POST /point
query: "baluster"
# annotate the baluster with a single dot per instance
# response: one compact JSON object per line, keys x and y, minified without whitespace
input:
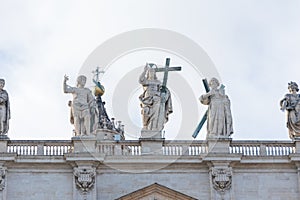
{"x":135,"y":150}
{"x":25,"y":150}
{"x":272,"y":150}
{"x":47,"y":150}
{"x":166,"y":150}
{"x":192,"y":150}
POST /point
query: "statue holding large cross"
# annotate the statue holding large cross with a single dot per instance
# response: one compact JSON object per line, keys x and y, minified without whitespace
{"x":218,"y":115}
{"x":156,"y":99}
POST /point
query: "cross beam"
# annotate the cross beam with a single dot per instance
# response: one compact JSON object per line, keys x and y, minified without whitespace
{"x":166,"y":70}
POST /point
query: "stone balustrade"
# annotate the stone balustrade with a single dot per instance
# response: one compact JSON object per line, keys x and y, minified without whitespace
{"x":39,"y":147}
{"x":262,"y":148}
{"x":170,"y":148}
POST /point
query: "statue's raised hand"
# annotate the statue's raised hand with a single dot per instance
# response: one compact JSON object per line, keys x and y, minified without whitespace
{"x":66,"y":78}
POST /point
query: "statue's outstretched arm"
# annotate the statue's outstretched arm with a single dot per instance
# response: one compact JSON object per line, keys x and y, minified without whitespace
{"x":66,"y":87}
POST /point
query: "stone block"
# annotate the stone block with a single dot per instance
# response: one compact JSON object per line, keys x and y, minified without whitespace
{"x":218,"y":145}
{"x":151,"y":146}
{"x":3,"y":143}
{"x":151,"y":134}
{"x":83,"y":144}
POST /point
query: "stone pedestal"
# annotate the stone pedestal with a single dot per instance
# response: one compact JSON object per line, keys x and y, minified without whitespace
{"x":3,"y":143}
{"x":218,"y":145}
{"x":297,"y":145}
{"x":151,"y":134}
{"x":152,"y":146}
{"x":84,"y":144}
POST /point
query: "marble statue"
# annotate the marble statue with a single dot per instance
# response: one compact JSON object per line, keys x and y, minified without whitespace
{"x":219,"y":118}
{"x":291,"y":103}
{"x":83,"y":107}
{"x":156,"y":105}
{"x":4,"y":109}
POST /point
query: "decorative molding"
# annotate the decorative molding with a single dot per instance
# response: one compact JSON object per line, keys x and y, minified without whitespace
{"x":221,"y":179}
{"x":85,"y":178}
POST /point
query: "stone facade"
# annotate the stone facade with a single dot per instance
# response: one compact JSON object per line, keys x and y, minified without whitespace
{"x":34,"y":170}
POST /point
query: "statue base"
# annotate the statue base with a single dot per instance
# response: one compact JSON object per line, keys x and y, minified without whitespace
{"x":151,"y":146}
{"x":220,"y":145}
{"x":84,"y":144}
{"x":150,"y":134}
{"x":4,"y":137}
{"x":3,"y":143}
{"x":217,"y":137}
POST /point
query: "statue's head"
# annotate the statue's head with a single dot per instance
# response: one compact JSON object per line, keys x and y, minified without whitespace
{"x":292,"y":86}
{"x":214,"y":83}
{"x":81,"y":80}
{"x":151,"y":74}
{"x":2,"y":83}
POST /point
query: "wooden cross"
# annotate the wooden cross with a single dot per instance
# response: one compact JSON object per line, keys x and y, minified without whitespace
{"x":166,"y":70}
{"x":163,"y":90}
{"x":204,"y":118}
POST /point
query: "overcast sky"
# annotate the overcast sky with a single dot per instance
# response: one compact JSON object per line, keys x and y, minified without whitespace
{"x":254,"y":45}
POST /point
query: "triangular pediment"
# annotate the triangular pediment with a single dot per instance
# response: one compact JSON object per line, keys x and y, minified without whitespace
{"x":156,"y":192}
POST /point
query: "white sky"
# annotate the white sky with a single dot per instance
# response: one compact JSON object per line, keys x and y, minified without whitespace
{"x":254,"y":44}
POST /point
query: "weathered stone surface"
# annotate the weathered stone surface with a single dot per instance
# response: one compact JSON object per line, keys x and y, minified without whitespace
{"x":37,"y":184}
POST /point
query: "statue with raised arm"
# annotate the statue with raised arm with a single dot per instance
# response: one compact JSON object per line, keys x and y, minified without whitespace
{"x":291,"y":103}
{"x":219,"y":118}
{"x":156,"y":104}
{"x":4,"y":109}
{"x":83,"y":106}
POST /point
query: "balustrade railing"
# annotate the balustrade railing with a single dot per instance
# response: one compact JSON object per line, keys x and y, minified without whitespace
{"x":170,"y":148}
{"x":187,"y":147}
{"x":128,"y":147}
{"x":262,"y":148}
{"x":39,"y":147}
